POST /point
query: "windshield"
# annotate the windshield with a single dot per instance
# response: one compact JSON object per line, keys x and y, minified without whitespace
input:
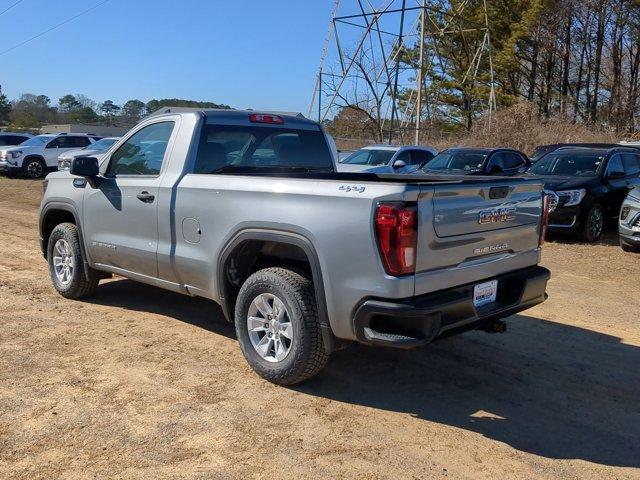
{"x":369,"y":157}
{"x":570,"y":164}
{"x":38,"y":141}
{"x":101,"y":145}
{"x":468,"y":160}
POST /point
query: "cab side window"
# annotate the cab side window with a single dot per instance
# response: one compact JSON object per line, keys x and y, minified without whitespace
{"x":405,"y":157}
{"x":420,"y":156}
{"x":496,"y":160}
{"x":614,"y":165}
{"x":56,"y":143}
{"x":513,"y":160}
{"x":143,"y":153}
{"x":631,"y":164}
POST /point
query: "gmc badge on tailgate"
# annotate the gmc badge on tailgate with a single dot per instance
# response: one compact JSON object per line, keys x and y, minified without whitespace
{"x":497,"y":215}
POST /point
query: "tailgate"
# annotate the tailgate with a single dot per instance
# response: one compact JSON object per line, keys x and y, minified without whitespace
{"x":472,"y":231}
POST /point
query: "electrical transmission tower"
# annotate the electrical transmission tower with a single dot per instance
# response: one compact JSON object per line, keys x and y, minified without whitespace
{"x":386,"y":61}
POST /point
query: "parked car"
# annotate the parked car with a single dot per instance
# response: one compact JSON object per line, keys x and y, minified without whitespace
{"x":245,"y":209}
{"x":97,"y":149}
{"x":591,"y":184}
{"x":35,"y":156}
{"x":10,"y":139}
{"x":541,"y":150}
{"x":478,"y":161}
{"x":342,"y":154}
{"x":387,"y":159}
{"x":629,"y":223}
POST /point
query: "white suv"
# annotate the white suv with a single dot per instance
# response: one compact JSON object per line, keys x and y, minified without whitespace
{"x":38,"y":154}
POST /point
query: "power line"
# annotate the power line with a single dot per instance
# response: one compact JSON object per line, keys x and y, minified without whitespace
{"x":84,"y":12}
{"x":10,"y":7}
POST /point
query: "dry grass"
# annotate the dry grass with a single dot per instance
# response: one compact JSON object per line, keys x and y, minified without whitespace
{"x":519,"y":126}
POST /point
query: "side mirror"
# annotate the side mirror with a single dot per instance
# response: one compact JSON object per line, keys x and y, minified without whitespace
{"x":399,"y":164}
{"x":495,"y":169}
{"x":615,"y":175}
{"x":85,"y":167}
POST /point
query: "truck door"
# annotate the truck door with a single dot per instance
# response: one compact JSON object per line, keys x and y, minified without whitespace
{"x":121,"y":214}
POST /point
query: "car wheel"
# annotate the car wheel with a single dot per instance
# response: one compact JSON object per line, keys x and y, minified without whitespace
{"x":66,"y":265}
{"x":276,"y":320}
{"x":33,"y":168}
{"x":593,"y":224}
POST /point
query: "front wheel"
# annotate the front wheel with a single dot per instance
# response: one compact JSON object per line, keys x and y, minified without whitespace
{"x":593,"y":224}
{"x":33,"y":168}
{"x":276,"y":320}
{"x":66,"y":265}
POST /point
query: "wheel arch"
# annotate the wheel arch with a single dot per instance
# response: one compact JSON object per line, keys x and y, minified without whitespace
{"x":55,"y":213}
{"x":287,"y":243}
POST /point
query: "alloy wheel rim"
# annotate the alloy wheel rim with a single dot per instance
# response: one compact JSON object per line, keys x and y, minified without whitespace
{"x":270,"y":328}
{"x":63,"y":263}
{"x":34,"y":169}
{"x":596,"y":223}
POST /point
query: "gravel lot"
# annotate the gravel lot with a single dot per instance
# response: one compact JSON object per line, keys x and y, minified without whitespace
{"x":142,"y":383}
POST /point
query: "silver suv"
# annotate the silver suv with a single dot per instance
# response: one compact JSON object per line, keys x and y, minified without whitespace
{"x":629,"y":223}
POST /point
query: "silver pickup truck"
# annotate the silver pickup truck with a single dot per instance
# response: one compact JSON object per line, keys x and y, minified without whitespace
{"x":246,"y":209}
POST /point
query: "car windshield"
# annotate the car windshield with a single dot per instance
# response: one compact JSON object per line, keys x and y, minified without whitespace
{"x":369,"y":157}
{"x":569,"y":164}
{"x":467,"y":160}
{"x":101,"y":145}
{"x":38,"y":141}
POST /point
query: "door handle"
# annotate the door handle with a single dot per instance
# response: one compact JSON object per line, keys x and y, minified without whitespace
{"x":145,"y":197}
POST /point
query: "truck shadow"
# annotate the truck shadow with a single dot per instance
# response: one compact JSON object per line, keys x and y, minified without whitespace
{"x":131,"y":295}
{"x":544,"y":388}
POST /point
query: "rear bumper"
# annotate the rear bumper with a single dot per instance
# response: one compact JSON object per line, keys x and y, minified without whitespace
{"x":420,"y":320}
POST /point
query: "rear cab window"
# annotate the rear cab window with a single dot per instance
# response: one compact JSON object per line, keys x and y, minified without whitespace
{"x":240,"y":148}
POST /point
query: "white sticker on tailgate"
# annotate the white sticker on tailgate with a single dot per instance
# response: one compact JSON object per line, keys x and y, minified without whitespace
{"x":484,"y":293}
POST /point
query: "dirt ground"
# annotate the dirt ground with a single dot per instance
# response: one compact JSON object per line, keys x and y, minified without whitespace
{"x":142,"y":383}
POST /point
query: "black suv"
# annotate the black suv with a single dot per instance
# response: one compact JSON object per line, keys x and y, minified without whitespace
{"x":478,"y":161}
{"x":591,"y":184}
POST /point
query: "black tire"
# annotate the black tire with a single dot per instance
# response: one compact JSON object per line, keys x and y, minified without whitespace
{"x":34,"y":168}
{"x":80,"y":283}
{"x":307,"y":355}
{"x":593,"y":224}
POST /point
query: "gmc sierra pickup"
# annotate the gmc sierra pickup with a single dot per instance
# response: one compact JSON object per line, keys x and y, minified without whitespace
{"x":246,"y":209}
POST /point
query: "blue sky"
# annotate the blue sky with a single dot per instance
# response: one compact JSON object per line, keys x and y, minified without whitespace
{"x":246,"y":53}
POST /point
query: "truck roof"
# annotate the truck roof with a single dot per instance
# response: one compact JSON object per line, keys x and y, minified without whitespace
{"x":239,"y":117}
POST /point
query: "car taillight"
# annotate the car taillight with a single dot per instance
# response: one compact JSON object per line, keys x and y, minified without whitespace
{"x":544,"y":222}
{"x":397,"y":235}
{"x":266,"y":118}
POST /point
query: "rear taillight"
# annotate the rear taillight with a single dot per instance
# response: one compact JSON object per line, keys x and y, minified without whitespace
{"x":544,"y":222}
{"x":397,"y":235}
{"x":266,"y":118}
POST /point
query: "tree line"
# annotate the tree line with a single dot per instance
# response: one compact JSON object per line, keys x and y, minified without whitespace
{"x":578,"y":60}
{"x":30,"y":111}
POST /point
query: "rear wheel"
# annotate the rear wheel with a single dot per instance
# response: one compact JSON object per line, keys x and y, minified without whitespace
{"x":33,"y":168}
{"x":593,"y":224}
{"x":276,"y":320}
{"x":66,"y":265}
